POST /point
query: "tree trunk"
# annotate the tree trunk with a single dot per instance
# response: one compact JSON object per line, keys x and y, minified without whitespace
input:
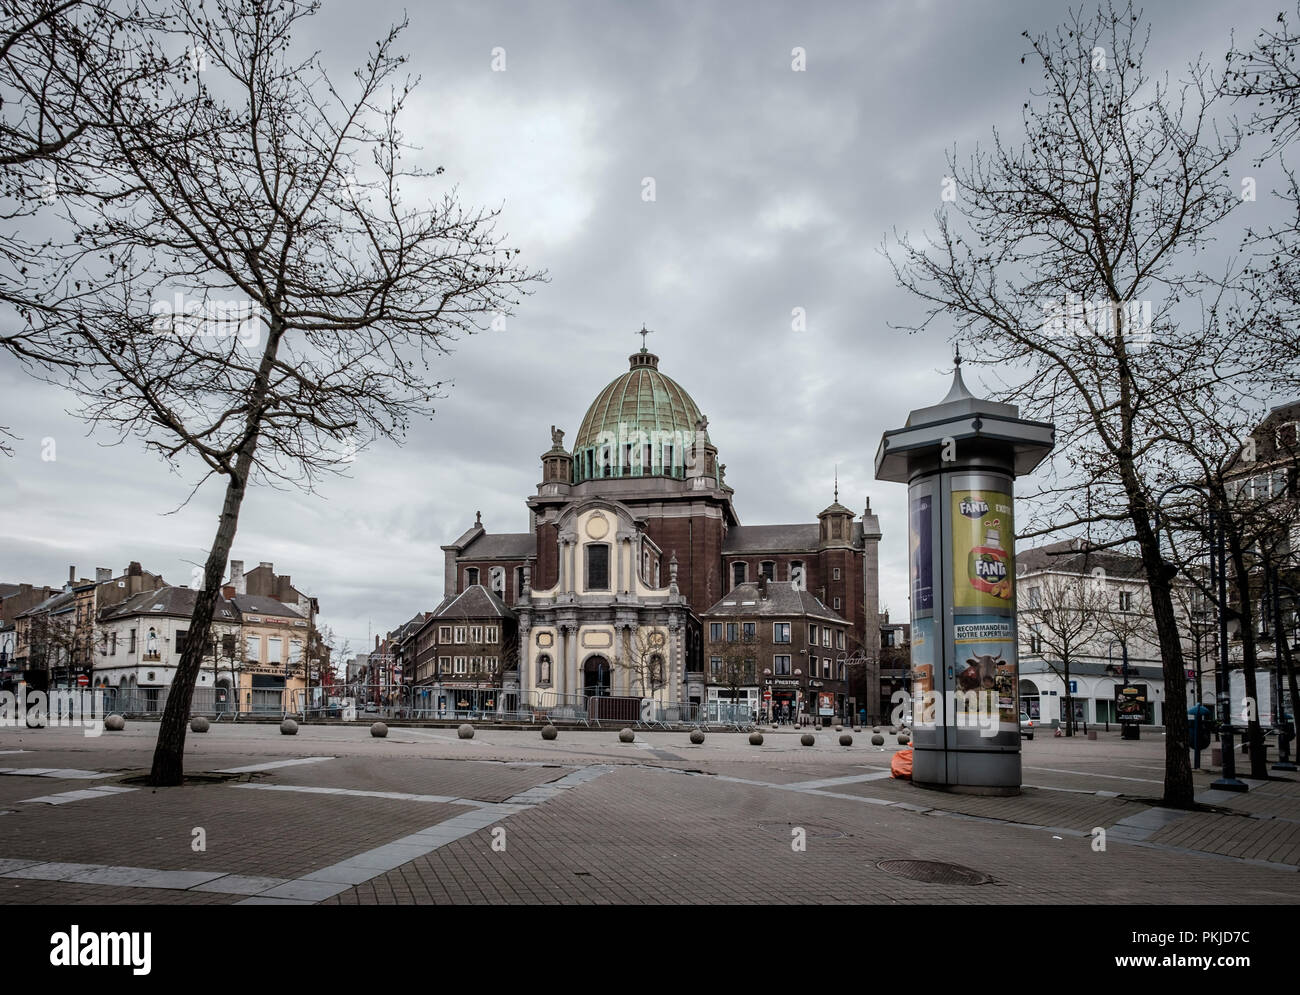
{"x":1246,"y":613}
{"x":1179,"y":792}
{"x":169,"y":753}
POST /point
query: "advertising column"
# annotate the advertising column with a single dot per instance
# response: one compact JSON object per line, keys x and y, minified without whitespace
{"x":960,"y":459}
{"x":984,"y":648}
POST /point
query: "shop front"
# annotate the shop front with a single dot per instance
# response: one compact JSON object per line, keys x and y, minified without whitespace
{"x":457,"y":700}
{"x":783,"y":699}
{"x":732,"y":704}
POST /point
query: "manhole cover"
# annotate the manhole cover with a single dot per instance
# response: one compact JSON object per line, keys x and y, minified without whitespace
{"x":933,"y":872}
{"x":811,"y":830}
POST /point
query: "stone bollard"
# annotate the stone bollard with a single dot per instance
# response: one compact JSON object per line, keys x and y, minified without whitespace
{"x":697,"y":737}
{"x":288,"y":728}
{"x":904,"y":739}
{"x":626,"y":736}
{"x":549,"y":732}
{"x":115,"y":723}
{"x":893,"y":730}
{"x":877,"y":740}
{"x":378,"y":730}
{"x":199,"y":724}
{"x":755,"y":738}
{"x":808,"y":739}
{"x":846,"y":740}
{"x":465,"y":731}
{"x":875,"y":728}
{"x":839,"y":728}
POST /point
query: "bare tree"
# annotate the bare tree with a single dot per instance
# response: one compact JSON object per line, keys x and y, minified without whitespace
{"x":1063,"y":615}
{"x":275,"y":302}
{"x":64,"y":64}
{"x":737,"y":668}
{"x":643,"y":660}
{"x":1063,"y":256}
{"x":1250,"y":486}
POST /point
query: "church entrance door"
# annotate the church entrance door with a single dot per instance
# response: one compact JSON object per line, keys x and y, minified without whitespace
{"x":595,"y":677}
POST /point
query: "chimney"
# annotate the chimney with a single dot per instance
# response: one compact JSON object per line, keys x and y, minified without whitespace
{"x":762,"y":585}
{"x":376,"y":642}
{"x":269,"y":566}
{"x":227,"y":591}
{"x":72,"y":575}
{"x":103,"y":575}
{"x":134,"y":569}
{"x":237,"y":577}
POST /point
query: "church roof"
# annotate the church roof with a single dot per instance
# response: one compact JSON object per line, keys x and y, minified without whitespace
{"x":641,"y":399}
{"x":779,"y":538}
{"x":503,"y":545}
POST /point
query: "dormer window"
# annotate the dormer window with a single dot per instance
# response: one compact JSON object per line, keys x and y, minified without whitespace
{"x":471,"y":576}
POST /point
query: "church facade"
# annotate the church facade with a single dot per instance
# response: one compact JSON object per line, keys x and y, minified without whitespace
{"x":633,"y":536}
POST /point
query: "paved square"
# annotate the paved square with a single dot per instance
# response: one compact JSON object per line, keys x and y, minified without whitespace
{"x":332,"y":815}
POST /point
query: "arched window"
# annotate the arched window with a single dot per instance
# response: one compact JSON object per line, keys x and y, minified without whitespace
{"x":543,"y":669}
{"x":796,"y":575}
{"x":656,"y":671}
{"x":597,"y":566}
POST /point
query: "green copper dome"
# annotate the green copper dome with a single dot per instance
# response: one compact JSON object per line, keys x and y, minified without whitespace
{"x":640,"y":424}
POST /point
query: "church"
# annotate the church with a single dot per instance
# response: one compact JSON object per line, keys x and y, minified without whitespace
{"x":633,"y":537}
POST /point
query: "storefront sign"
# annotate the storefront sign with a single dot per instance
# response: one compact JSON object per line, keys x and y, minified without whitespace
{"x":1131,"y":702}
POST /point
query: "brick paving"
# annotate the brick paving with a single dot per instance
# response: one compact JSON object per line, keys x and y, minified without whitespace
{"x":598,"y":822}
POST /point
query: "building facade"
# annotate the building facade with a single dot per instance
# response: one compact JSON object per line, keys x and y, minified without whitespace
{"x":465,"y":656}
{"x":1090,"y":608}
{"x":633,"y":536}
{"x":775,"y":651}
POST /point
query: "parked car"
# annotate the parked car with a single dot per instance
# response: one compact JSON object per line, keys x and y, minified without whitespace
{"x":1026,"y":726}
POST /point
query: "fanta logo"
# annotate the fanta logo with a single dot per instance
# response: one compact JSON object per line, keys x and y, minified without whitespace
{"x":974,"y":508}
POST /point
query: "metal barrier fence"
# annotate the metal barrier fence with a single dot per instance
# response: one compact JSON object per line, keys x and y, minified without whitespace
{"x":601,"y":710}
{"x":360,"y":703}
{"x":215,"y":703}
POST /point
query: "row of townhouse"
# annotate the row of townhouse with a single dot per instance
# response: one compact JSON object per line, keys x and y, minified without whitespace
{"x":125,"y":635}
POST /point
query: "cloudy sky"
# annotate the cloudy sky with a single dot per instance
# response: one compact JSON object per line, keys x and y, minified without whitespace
{"x":773,"y":191}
